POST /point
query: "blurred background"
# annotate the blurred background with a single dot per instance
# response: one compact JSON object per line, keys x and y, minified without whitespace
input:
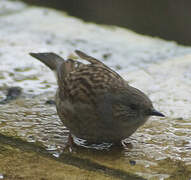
{"x":167,"y":19}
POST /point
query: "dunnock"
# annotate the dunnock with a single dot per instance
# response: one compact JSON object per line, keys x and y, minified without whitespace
{"x":94,"y":102}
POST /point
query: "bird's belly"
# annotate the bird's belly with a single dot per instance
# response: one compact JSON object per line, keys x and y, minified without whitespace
{"x":84,"y":122}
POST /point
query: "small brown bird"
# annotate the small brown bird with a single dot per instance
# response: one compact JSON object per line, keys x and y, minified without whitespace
{"x":94,"y":102}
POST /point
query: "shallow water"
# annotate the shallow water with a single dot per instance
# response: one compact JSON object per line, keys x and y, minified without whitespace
{"x":163,"y":141}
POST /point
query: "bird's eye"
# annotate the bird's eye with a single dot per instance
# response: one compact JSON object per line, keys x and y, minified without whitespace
{"x":133,"y":106}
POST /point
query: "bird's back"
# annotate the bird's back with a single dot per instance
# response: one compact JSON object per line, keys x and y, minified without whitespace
{"x":84,"y":82}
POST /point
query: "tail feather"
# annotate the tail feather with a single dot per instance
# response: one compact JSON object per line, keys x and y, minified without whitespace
{"x":50,"y":59}
{"x":94,"y":61}
{"x":88,"y":58}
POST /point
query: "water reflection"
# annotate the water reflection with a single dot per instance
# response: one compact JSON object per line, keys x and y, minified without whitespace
{"x":84,"y":143}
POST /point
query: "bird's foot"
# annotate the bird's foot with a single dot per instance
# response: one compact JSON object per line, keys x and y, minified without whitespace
{"x":126,"y":145}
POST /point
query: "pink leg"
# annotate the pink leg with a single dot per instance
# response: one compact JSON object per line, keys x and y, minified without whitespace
{"x":70,"y":143}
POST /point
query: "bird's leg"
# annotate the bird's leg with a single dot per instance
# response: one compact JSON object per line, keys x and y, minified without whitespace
{"x":123,"y":144}
{"x":70,"y":143}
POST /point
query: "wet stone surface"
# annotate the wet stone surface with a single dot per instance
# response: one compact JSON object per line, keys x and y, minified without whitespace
{"x":161,"y":149}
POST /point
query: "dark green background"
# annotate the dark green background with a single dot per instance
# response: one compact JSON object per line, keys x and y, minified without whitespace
{"x":168,"y":19}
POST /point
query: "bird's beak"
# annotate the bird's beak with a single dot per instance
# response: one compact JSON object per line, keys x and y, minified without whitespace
{"x":156,"y":113}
